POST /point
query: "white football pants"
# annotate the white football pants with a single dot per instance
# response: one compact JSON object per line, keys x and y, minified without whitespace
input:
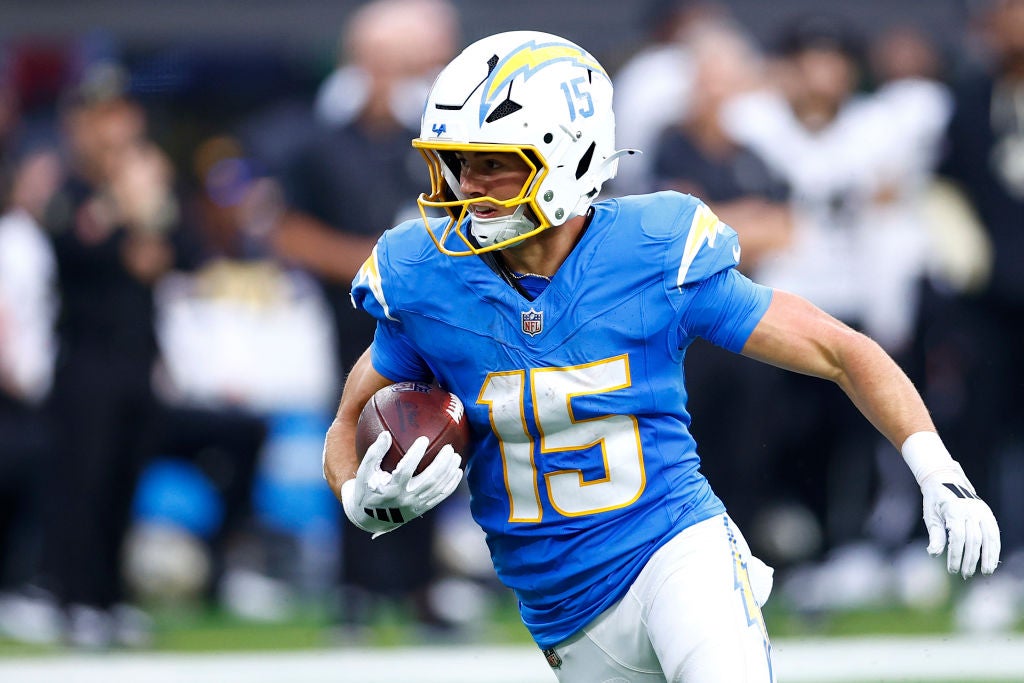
{"x":692,"y":616}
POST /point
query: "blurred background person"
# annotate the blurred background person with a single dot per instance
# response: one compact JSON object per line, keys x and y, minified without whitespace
{"x":696,"y":155}
{"x":899,"y":59}
{"x":654,"y":85}
{"x":973,"y":335}
{"x":243,"y":340}
{"x":358,"y":177}
{"x":110,"y":224}
{"x":28,"y":307}
{"x":858,"y":165}
{"x":208,"y":416}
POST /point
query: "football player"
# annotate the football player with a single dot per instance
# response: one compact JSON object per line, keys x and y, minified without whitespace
{"x":562,"y":323}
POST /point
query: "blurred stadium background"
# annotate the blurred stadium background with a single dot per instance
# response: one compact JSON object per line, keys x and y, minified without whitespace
{"x":203,"y":64}
{"x":310,"y":29}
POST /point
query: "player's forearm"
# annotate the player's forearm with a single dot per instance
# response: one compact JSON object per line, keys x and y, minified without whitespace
{"x":340,"y":457}
{"x":798,"y":336}
{"x":881,"y":390}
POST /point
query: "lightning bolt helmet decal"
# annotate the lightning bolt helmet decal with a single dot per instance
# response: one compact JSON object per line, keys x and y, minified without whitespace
{"x":527,"y":60}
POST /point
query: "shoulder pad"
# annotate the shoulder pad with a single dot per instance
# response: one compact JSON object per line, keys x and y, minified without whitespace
{"x":710,"y":246}
{"x":368,"y":288}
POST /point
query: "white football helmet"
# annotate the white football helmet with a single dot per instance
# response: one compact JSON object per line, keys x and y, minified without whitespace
{"x":533,"y":94}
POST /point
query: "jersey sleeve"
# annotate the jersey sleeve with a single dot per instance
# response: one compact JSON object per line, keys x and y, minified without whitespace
{"x":724,"y":309}
{"x":708,"y":246}
{"x":713,"y":299}
{"x":368,"y":286}
{"x":392,"y":353}
{"x":395,"y":357}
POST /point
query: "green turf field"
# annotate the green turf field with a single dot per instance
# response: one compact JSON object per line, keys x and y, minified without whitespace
{"x":197,"y":629}
{"x":187,"y":635}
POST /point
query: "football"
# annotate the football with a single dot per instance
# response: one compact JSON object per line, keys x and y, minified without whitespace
{"x":410,"y":410}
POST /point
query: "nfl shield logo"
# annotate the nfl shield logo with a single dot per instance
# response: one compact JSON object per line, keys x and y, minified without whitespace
{"x":533,"y":322}
{"x":554,"y":661}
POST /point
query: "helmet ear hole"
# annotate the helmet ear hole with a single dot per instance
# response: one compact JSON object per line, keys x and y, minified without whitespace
{"x":584,"y":165}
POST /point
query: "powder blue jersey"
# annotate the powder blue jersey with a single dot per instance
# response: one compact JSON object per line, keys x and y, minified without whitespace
{"x":583,"y":463}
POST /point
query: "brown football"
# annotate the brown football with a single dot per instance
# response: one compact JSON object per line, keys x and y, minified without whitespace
{"x":410,"y":410}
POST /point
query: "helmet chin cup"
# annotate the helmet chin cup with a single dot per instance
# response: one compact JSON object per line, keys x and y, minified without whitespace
{"x":503,"y":231}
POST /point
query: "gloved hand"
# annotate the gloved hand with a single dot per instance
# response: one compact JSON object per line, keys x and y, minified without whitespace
{"x":953,"y":511}
{"x":378,"y":502}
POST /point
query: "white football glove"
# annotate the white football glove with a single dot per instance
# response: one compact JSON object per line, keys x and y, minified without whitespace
{"x":378,"y":502}
{"x":953,"y":511}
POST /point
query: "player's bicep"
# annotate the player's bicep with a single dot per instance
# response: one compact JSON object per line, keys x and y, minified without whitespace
{"x":362,"y":382}
{"x":796,"y":335}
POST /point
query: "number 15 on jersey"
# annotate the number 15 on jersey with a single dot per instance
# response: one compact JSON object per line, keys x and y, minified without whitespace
{"x":552,"y":392}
